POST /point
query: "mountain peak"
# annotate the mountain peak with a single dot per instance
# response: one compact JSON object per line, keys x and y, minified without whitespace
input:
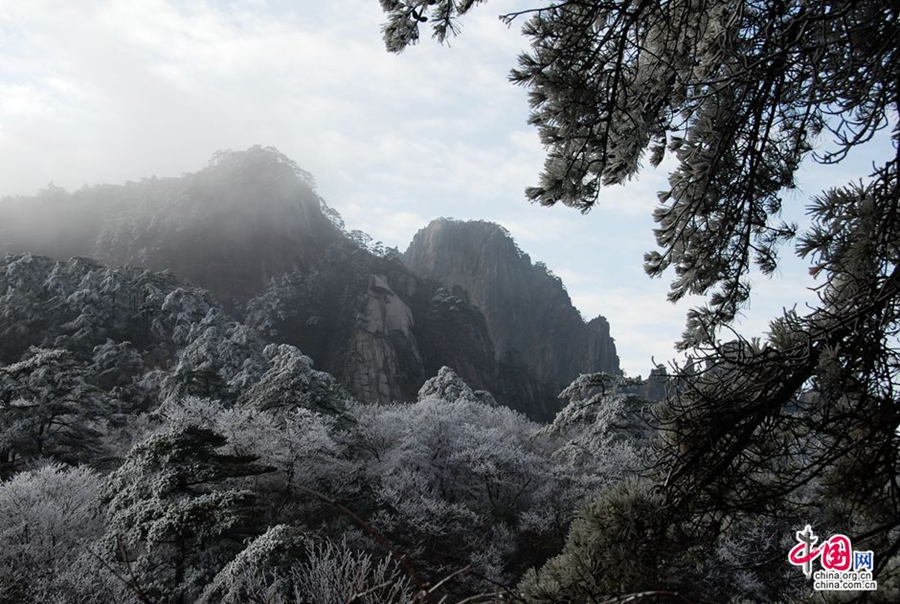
{"x":259,"y":162}
{"x":529,"y":314}
{"x":230,"y":227}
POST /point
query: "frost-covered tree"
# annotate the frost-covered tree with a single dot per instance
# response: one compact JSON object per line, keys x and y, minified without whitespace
{"x":619,"y":543}
{"x":459,"y":482}
{"x":176,"y":512}
{"x":48,"y":408}
{"x":448,"y":386}
{"x":305,"y":449}
{"x":21,"y":307}
{"x":78,"y":305}
{"x":259,"y":572}
{"x":603,"y":427}
{"x":450,"y":481}
{"x":115,"y":365}
{"x":739,"y":93}
{"x":49,"y":518}
{"x":286,"y":566}
{"x":290,"y":382}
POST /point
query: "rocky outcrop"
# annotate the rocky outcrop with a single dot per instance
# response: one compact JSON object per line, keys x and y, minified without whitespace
{"x":453,"y":333}
{"x":599,"y":346}
{"x":657,"y":385}
{"x":384,"y":352}
{"x":531,"y":320}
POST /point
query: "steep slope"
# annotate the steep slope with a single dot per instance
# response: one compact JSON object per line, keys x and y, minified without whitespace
{"x":370,"y":321}
{"x":528,"y":312}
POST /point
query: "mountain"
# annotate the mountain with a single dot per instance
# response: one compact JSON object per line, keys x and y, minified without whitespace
{"x":529,"y":315}
{"x":229,"y":228}
{"x":250,"y":229}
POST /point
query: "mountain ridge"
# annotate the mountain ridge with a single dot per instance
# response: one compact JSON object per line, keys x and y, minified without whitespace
{"x":250,"y":228}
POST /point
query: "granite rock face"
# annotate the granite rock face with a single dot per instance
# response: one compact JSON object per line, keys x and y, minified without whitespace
{"x":383,"y":347}
{"x":531,"y":320}
{"x":453,"y":333}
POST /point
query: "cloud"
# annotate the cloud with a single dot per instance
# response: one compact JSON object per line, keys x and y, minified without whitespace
{"x":201,"y":75}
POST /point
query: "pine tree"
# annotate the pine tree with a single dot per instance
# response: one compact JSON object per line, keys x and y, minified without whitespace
{"x":177,"y":513}
{"x":738,"y":93}
{"x":49,"y":409}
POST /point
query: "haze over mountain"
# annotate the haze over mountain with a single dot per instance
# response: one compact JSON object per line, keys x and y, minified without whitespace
{"x":245,"y":218}
{"x":251,"y":229}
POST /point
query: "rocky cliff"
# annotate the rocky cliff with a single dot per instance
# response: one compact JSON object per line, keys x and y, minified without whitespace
{"x":384,"y":345}
{"x":528,"y":312}
{"x":370,"y":321}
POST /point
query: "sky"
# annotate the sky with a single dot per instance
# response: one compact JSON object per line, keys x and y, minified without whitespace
{"x":106,"y":91}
